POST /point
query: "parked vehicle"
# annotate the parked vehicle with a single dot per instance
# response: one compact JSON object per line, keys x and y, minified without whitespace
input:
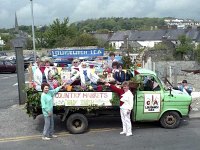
{"x":153,"y":101}
{"x":63,"y":62}
{"x":7,"y":66}
{"x":3,"y":55}
{"x":27,"y":60}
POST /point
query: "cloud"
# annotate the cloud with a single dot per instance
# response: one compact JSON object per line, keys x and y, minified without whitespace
{"x":45,"y":11}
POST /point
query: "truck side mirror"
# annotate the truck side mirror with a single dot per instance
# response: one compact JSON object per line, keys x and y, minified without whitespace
{"x":170,"y":91}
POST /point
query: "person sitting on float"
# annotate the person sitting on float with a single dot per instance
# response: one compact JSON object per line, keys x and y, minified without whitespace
{"x":47,"y":64}
{"x":114,"y":67}
{"x":119,"y":75}
{"x":87,"y":77}
{"x":75,"y":71}
{"x":51,"y":80}
{"x":129,"y":75}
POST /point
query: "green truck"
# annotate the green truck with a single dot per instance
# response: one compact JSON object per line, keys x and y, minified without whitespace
{"x":153,"y":101}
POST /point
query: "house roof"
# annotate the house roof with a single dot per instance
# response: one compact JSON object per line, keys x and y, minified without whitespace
{"x":153,"y":35}
{"x":173,"y":34}
{"x":119,"y":35}
{"x":147,"y":35}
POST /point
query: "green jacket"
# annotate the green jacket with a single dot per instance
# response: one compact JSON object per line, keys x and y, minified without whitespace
{"x":47,"y":101}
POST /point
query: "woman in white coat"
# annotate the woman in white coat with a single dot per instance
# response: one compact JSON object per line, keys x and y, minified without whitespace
{"x":126,"y":105}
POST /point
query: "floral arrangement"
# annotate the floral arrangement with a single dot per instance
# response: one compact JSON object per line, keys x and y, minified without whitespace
{"x":33,"y":104}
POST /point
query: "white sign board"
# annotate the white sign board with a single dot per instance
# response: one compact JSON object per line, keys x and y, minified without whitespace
{"x":152,"y":103}
{"x":82,"y":99}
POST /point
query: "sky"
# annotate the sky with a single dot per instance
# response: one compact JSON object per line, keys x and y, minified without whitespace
{"x":45,"y":11}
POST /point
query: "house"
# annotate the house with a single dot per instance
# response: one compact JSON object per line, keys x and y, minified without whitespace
{"x":117,"y":39}
{"x":137,"y":39}
{"x":150,"y":38}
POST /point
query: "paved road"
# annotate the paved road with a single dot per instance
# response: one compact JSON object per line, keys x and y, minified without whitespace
{"x":8,"y":92}
{"x":146,"y":137}
{"x":19,"y":132}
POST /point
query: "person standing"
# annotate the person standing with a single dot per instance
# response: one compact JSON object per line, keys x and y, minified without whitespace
{"x":38,"y":76}
{"x":111,"y":60}
{"x":126,"y":105}
{"x":47,"y":110}
{"x":186,"y":87}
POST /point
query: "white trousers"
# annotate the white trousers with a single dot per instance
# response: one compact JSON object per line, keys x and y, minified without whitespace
{"x":126,"y":121}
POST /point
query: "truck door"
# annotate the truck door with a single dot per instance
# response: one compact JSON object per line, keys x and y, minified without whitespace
{"x":148,"y":102}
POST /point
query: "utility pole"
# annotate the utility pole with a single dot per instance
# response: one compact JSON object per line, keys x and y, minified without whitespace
{"x":33,"y":31}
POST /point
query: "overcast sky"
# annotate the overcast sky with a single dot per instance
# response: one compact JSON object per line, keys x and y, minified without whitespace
{"x":45,"y":11}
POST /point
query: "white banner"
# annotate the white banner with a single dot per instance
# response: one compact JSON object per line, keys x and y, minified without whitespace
{"x":152,"y":103}
{"x":82,"y":98}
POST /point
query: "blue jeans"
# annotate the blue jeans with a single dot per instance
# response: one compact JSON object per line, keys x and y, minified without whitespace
{"x":48,"y":126}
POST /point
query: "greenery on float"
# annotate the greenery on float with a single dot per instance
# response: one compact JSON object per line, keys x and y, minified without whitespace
{"x":33,"y":104}
{"x":115,"y":99}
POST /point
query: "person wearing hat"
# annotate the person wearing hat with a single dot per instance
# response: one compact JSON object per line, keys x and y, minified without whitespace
{"x":88,"y":77}
{"x":184,"y":87}
{"x":75,"y":71}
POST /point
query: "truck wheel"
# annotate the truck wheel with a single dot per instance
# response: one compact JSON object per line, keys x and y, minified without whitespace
{"x":170,"y":120}
{"x":77,"y":123}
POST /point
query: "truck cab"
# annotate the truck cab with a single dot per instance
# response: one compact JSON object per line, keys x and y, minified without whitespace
{"x":155,"y":102}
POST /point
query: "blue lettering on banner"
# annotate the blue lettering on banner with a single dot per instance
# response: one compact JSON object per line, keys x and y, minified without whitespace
{"x":56,"y":53}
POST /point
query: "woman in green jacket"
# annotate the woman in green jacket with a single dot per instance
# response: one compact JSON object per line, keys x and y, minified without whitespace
{"x":47,"y":110}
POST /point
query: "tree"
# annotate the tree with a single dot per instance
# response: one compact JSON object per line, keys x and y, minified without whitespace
{"x":59,"y":32}
{"x":185,"y":46}
{"x":160,"y":46}
{"x":6,"y":39}
{"x":85,"y":39}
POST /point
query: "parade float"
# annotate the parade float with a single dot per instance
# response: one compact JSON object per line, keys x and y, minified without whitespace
{"x":74,"y":103}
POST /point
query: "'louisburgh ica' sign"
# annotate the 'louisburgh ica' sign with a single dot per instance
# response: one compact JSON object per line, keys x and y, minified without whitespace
{"x":62,"y":53}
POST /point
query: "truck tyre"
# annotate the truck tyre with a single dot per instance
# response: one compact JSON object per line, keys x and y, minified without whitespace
{"x":77,"y":123}
{"x":170,"y":120}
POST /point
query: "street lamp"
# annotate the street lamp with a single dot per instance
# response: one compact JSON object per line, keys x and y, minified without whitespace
{"x":33,"y":32}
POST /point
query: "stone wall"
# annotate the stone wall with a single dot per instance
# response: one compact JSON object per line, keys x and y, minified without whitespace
{"x":160,"y":55}
{"x":163,"y":67}
{"x":161,"y":60}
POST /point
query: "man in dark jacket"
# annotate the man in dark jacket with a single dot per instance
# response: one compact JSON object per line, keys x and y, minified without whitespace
{"x":119,"y":75}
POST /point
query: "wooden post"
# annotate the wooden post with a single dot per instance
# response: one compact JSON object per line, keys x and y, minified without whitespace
{"x":30,"y":75}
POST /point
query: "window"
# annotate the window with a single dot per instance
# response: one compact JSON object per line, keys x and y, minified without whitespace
{"x":150,"y":84}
